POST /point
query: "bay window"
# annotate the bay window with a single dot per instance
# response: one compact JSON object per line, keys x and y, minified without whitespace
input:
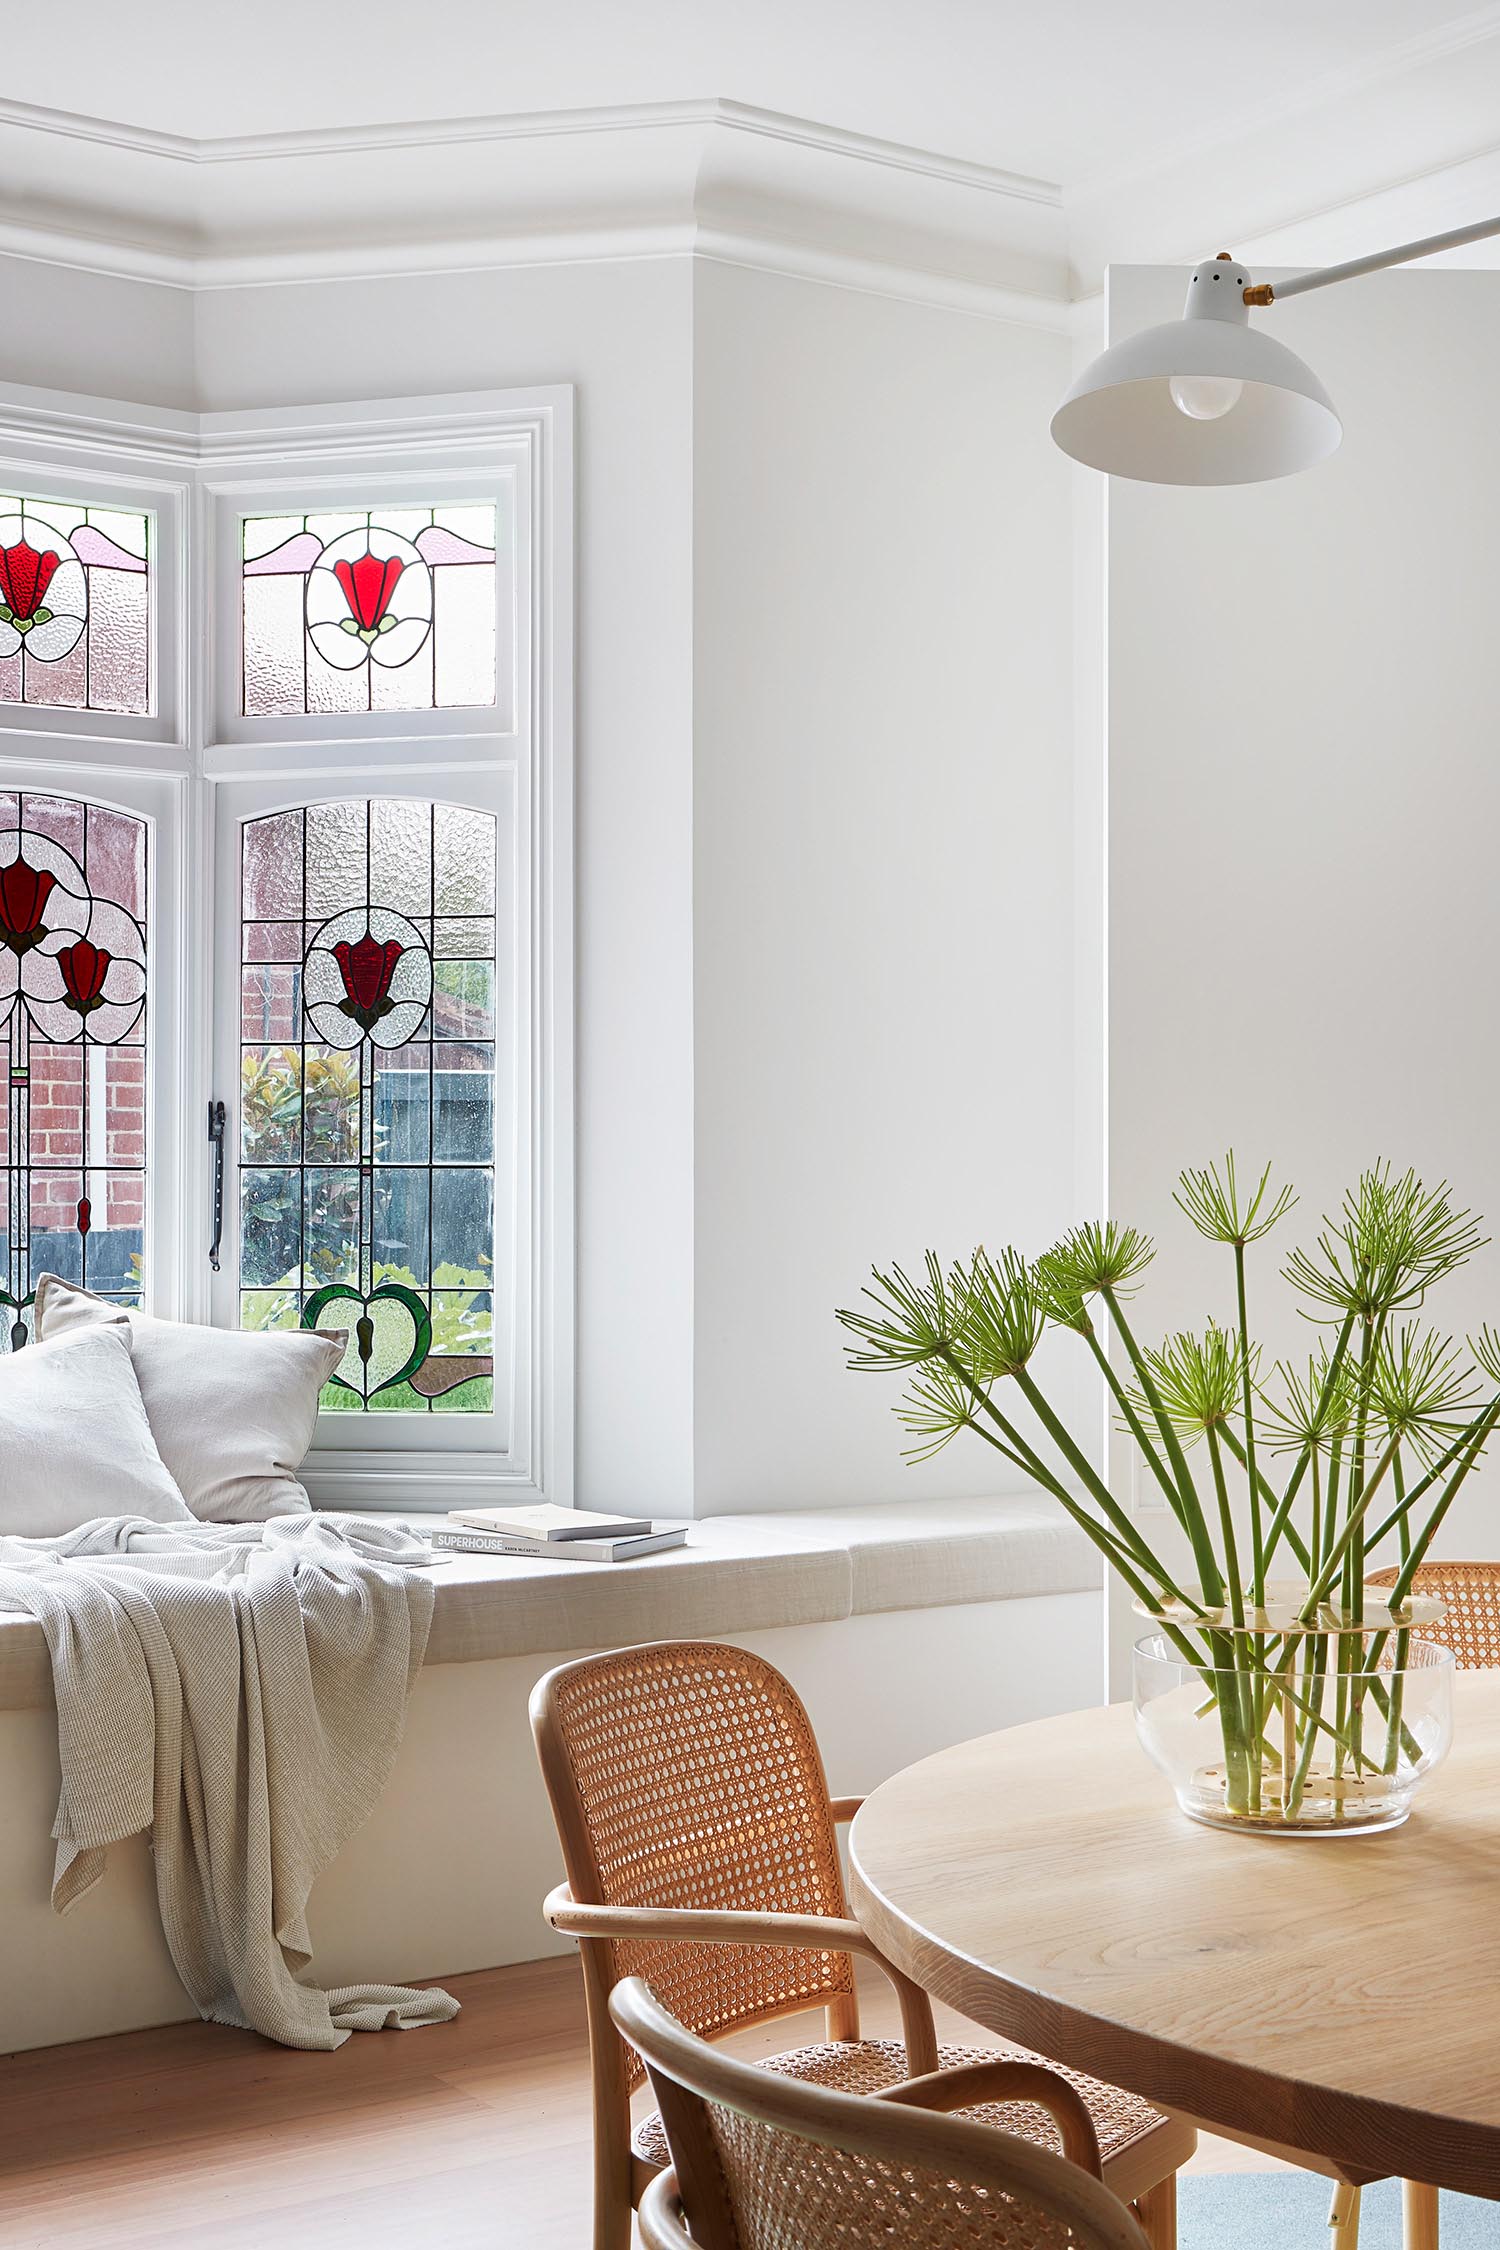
{"x":285,"y":840}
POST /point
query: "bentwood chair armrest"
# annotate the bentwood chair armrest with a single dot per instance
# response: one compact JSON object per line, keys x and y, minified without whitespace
{"x":659,"y":2217}
{"x":844,"y":1808}
{"x":1006,"y":2080}
{"x":808,"y":1933}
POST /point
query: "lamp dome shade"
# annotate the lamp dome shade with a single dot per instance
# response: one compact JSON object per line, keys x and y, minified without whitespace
{"x":1120,"y":415}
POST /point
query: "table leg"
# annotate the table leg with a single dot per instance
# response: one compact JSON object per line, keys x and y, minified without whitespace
{"x":1157,"y":2212}
{"x":1419,"y":2215}
{"x":1343,"y":2216}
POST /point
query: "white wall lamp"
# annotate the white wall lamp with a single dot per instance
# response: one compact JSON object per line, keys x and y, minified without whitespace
{"x":1208,"y":399}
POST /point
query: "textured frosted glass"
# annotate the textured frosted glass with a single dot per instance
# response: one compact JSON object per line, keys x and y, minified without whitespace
{"x":401,"y":855}
{"x":273,"y":941}
{"x":60,"y":686}
{"x":463,"y":633}
{"x":61,"y":818}
{"x":464,"y":858}
{"x":273,"y":867}
{"x":273,"y":645}
{"x":457,"y":935}
{"x":117,"y":641}
{"x":117,"y":858}
{"x":328,"y":690}
{"x":338,"y":845}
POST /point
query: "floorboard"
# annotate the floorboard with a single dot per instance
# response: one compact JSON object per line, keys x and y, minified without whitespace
{"x":472,"y":2135}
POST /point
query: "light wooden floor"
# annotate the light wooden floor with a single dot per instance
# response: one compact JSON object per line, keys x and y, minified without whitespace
{"x":472,"y":2135}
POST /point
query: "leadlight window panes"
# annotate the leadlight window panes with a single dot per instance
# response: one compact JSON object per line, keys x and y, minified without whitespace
{"x":73,"y":904}
{"x":367,"y":1094}
{"x":75,"y":606}
{"x":387,"y":609}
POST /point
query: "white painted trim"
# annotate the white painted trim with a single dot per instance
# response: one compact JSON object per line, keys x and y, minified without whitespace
{"x":448,"y":132}
{"x":566,"y":187}
{"x":873,"y":277}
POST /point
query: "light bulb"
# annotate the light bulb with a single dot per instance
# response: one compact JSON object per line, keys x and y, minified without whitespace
{"x":1204,"y":398}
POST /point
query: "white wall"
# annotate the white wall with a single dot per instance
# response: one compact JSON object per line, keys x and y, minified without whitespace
{"x":1304,"y":922}
{"x":99,"y":334}
{"x":883,"y":880}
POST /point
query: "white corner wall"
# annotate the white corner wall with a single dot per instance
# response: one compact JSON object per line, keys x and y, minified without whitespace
{"x":1304,"y":800}
{"x":882,"y":872}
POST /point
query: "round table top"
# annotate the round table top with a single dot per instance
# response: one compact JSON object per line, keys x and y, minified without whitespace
{"x":1337,"y":1996}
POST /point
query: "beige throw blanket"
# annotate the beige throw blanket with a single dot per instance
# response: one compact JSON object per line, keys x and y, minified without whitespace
{"x":240,"y":1690}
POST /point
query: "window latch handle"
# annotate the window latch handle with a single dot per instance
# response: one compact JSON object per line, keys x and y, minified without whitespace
{"x":216,"y":1136}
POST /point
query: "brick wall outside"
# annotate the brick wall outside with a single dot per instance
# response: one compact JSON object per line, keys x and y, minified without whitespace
{"x":57,"y":1136}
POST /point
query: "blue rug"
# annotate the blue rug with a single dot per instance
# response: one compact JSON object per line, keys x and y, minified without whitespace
{"x":1289,"y":2211}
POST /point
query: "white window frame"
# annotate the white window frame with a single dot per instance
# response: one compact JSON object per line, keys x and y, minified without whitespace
{"x":196,"y":767}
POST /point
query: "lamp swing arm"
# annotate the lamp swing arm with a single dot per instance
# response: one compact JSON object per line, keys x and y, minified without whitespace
{"x":1322,"y":277}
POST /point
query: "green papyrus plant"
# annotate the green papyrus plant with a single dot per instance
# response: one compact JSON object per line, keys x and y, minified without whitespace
{"x":1300,"y":1474}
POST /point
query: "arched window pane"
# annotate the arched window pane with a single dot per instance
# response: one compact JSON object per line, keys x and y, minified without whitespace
{"x":73,"y":902}
{"x":75,"y":593}
{"x":367,"y":1077}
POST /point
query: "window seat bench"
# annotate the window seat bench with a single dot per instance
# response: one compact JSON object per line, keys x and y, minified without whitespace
{"x":736,"y":1574}
{"x":904,"y":1627}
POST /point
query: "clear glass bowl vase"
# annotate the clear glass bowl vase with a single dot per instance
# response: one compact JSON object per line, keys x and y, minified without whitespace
{"x":1325,"y":1734}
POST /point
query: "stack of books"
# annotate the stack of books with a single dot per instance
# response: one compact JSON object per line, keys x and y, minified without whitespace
{"x":562,"y":1534}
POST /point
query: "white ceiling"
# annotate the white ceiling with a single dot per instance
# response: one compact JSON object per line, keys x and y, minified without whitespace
{"x":1009,"y":148}
{"x":1064,"y":90}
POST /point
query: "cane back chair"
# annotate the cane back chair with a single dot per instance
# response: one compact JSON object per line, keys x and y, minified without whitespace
{"x":1470,"y":1592}
{"x":1471,"y":1628}
{"x":761,"y":2162}
{"x":699,"y":1843}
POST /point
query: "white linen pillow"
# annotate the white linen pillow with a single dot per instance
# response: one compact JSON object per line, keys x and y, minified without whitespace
{"x":232,"y":1411}
{"x":74,"y":1439}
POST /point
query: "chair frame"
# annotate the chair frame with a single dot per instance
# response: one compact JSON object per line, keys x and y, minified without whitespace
{"x":621,"y":2177}
{"x":687,"y":2073}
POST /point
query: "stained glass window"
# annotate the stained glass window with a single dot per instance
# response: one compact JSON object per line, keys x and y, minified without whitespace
{"x":72,"y":1046}
{"x":367,"y":1094}
{"x":75,"y":598}
{"x":388,"y":609}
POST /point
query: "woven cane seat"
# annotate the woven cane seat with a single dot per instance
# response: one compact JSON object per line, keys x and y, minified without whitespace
{"x":865,"y":2066}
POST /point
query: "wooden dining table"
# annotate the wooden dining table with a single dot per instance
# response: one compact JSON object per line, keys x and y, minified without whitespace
{"x":1336,"y":1998}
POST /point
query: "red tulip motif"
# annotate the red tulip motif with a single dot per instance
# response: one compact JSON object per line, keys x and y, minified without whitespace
{"x":25,"y":576}
{"x":368,"y":584}
{"x":84,"y":968}
{"x":365,"y":971}
{"x":24,"y":892}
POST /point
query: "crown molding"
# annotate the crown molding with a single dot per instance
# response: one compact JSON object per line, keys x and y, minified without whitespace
{"x":711,"y":177}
